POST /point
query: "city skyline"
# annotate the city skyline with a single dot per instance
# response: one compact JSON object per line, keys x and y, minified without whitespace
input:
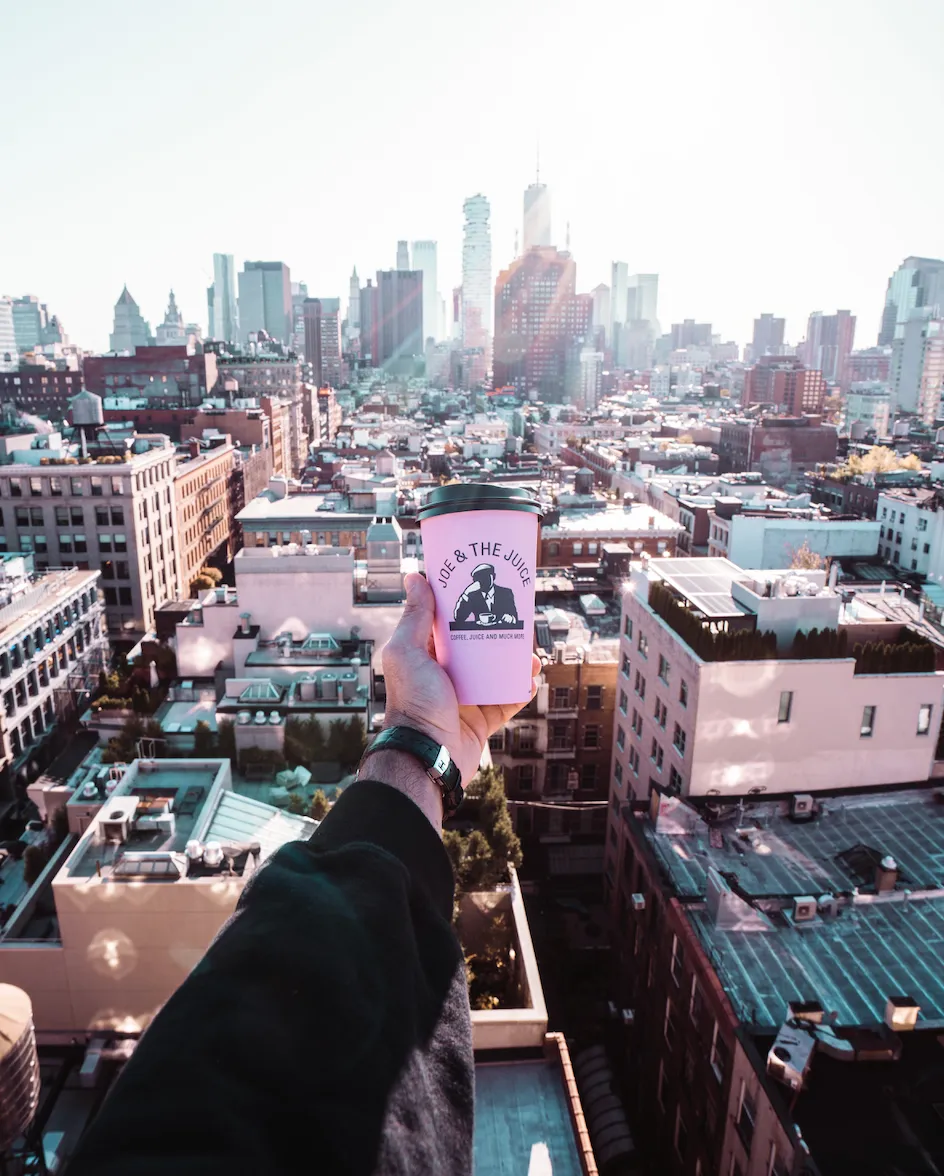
{"x":723,"y":255}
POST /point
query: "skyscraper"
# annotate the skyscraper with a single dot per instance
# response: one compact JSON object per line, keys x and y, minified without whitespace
{"x":619,"y":296}
{"x":399,"y":323}
{"x":224,"y":314}
{"x":370,"y":344}
{"x":354,"y":302}
{"x":323,"y":340}
{"x":829,"y":340}
{"x":9,"y":358}
{"x":477,"y":277}
{"x":130,"y":329}
{"x":541,"y":323}
{"x":424,"y":259}
{"x":645,"y":299}
{"x":917,"y":373}
{"x":768,"y":336}
{"x":537,"y":216}
{"x":403,"y":256}
{"x":601,"y":309}
{"x":918,"y":282}
{"x":265,"y":300}
{"x":171,"y":332}
{"x":33,"y":325}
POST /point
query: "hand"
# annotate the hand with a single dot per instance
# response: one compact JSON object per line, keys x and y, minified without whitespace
{"x":508,"y":619}
{"x":420,"y":694}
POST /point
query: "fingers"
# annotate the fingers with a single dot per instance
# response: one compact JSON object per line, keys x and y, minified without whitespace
{"x":416,"y":624}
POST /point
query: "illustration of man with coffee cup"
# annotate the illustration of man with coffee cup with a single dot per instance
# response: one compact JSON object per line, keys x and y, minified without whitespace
{"x":485,"y":603}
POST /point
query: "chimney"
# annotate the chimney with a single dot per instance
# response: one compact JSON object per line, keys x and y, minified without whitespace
{"x":886,"y":874}
{"x":901,"y":1012}
{"x":834,"y":574}
{"x":244,"y":619}
{"x":194,"y":446}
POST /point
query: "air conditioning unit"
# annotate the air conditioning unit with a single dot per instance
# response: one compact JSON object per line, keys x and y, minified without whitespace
{"x":801,"y":806}
{"x":790,"y":1056}
{"x":639,"y":902}
{"x":804,"y":909}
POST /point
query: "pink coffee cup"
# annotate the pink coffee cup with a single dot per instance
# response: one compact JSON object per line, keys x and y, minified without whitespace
{"x":480,"y":545}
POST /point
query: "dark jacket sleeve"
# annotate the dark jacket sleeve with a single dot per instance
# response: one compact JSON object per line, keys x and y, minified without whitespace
{"x":327,"y":1028}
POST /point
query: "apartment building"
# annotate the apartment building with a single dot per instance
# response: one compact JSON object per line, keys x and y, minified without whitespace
{"x":749,"y":713}
{"x":204,"y":506}
{"x":574,"y":535}
{"x":41,"y":389}
{"x":53,"y":642}
{"x":555,"y":753}
{"x":771,"y":535}
{"x":281,"y":515}
{"x":112,"y":512}
{"x":777,"y":1010}
{"x":911,"y":528}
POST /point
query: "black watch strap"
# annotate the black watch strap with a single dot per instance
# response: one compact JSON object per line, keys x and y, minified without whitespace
{"x":434,"y":757}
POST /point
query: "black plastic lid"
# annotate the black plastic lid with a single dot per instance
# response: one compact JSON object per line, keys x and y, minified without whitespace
{"x":465,"y":496}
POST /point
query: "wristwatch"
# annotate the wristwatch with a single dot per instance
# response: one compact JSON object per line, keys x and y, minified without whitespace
{"x":434,"y":757}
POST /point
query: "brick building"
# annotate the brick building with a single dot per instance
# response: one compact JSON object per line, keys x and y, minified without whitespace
{"x":40,"y":390}
{"x":786,"y":384}
{"x":205,"y":507}
{"x":573,"y":537}
{"x":173,"y":377}
{"x":776,"y":446}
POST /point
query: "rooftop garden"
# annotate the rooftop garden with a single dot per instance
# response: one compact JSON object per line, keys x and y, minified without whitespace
{"x":910,"y":654}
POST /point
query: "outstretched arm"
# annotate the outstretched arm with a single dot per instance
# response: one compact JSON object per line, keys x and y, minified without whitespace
{"x":330,"y":1018}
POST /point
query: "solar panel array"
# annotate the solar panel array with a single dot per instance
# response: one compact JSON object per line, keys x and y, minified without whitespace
{"x":705,"y":583}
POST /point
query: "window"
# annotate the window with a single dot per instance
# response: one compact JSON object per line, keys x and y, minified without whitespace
{"x":623,"y":701}
{"x":627,"y":628}
{"x":553,"y":549}
{"x":578,"y":549}
{"x":80,"y":543}
{"x":634,"y":760}
{"x":679,"y":739}
{"x":65,"y":544}
{"x":625,"y":667}
{"x":901,"y":517}
{"x":661,"y":713}
{"x":122,"y":567}
{"x":868,"y":722}
{"x":124,"y":596}
{"x":675,"y":780}
{"x":696,"y":1003}
{"x":55,"y":487}
{"x":117,"y":513}
{"x":16,"y":487}
{"x":561,"y":697}
{"x":678,"y":960}
{"x":101,"y":516}
{"x":663,"y":669}
{"x":884,"y":512}
{"x":914,"y":565}
{"x":786,"y":706}
{"x":924,"y":718}
{"x":591,"y":736}
{"x":914,"y":544}
{"x":526,"y":777}
{"x":77,"y":515}
{"x":922,"y":524}
{"x":78,"y":487}
{"x":620,"y":738}
{"x":643,"y":645}
{"x":594,"y":698}
{"x":640,"y":685}
{"x":21,"y":516}
{"x":116,"y":486}
{"x":111,"y":597}
{"x":62,"y":516}
{"x":747,"y":1117}
{"x":668,"y":1027}
{"x":777,"y":1166}
{"x":41,"y":543}
{"x":98,"y":486}
{"x":719,"y":1054}
{"x":683,"y":693}
{"x":591,"y":549}
{"x":121,"y":543}
{"x":637,"y":724}
{"x":618,"y":773}
{"x":656,"y":756}
{"x":681,"y":1134}
{"x":588,"y":775}
{"x":496,"y":741}
{"x":927,"y":548}
{"x":104,"y":543}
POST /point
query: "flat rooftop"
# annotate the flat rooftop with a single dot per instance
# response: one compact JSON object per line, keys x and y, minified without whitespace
{"x":522,"y":1121}
{"x":26,"y":610}
{"x":774,"y":856}
{"x":266,"y":510}
{"x":614,"y":521}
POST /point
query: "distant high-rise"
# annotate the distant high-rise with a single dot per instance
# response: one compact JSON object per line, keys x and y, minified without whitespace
{"x":403,"y":255}
{"x":690,"y":334}
{"x":354,"y":302}
{"x":768,"y":336}
{"x":537,"y":216}
{"x":601,"y":309}
{"x":917,"y":372}
{"x":399,"y":319}
{"x":224,"y":312}
{"x":476,"y":304}
{"x":9,"y":357}
{"x":265,"y":300}
{"x":829,"y":340}
{"x":917,"y":283}
{"x":370,"y":344}
{"x":130,"y":329}
{"x":34,"y":326}
{"x":619,"y":295}
{"x":323,"y":340}
{"x":424,"y":259}
{"x":645,"y":300}
{"x":541,"y":323}
{"x":171,"y":332}
{"x":784,"y":382}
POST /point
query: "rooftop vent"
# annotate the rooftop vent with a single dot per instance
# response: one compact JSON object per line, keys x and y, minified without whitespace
{"x":801,"y":806}
{"x":901,"y":1013}
{"x":804,"y":909}
{"x":790,"y":1055}
{"x":886,"y":874}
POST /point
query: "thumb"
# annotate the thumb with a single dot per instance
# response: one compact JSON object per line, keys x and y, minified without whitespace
{"x":416,"y":623}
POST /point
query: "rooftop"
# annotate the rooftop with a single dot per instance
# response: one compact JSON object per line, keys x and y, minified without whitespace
{"x":314,"y":511}
{"x":615,"y":521}
{"x":49,"y":589}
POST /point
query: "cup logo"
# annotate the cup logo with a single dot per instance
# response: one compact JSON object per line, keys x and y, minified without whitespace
{"x":485,"y":604}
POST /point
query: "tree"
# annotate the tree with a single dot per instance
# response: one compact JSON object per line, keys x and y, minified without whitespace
{"x":59,"y":824}
{"x":318,"y":809}
{"x":226,"y":740}
{"x":213,"y":574}
{"x":296,"y":804}
{"x":34,"y":862}
{"x":805,"y":559}
{"x":879,"y":460}
{"x":204,"y":744}
{"x":200,"y":583}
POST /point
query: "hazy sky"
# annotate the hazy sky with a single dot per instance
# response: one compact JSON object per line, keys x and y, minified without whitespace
{"x":779,"y":155}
